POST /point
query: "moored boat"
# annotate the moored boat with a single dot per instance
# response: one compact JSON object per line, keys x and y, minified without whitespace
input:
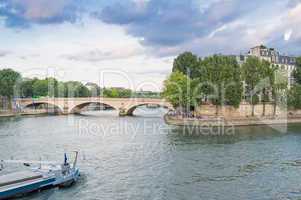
{"x":45,"y":176}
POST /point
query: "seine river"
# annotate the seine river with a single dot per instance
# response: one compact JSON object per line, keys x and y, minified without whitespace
{"x":140,"y":158}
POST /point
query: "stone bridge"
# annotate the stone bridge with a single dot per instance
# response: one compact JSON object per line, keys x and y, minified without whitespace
{"x":125,"y":106}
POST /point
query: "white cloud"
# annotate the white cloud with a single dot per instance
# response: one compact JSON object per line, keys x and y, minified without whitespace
{"x":288,"y":34}
{"x":98,"y":55}
{"x":93,"y":47}
{"x":212,"y":34}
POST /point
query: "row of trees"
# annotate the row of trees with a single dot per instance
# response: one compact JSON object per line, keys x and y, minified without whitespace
{"x":220,"y":80}
{"x":52,"y":88}
{"x":215,"y":79}
{"x":12,"y":84}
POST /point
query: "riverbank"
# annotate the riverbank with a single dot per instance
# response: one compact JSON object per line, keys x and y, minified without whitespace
{"x":229,"y":122}
{"x":7,"y":114}
{"x":25,"y":113}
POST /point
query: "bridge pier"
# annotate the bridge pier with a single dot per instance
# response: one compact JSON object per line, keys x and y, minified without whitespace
{"x":122,"y":112}
{"x":65,"y":107}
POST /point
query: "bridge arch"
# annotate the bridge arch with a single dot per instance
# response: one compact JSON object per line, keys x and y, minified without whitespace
{"x":78,"y":107}
{"x":130,"y":110}
{"x":56,"y":108}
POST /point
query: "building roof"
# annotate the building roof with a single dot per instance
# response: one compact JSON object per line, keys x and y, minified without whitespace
{"x":259,"y":46}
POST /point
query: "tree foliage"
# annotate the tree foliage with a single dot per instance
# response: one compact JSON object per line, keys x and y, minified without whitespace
{"x":75,"y":89}
{"x":95,"y":90}
{"x":216,"y":78}
{"x":267,"y":82}
{"x":251,"y":71}
{"x":117,"y":92}
{"x":40,"y":88}
{"x":294,"y":97}
{"x":9,"y":80}
{"x":26,"y":87}
{"x":50,"y":87}
{"x":181,"y":91}
{"x":297,"y":71}
{"x":224,"y":80}
{"x":279,"y":87}
{"x":188,"y":64}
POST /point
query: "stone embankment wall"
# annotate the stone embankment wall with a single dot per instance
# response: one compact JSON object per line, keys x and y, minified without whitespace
{"x":244,"y":110}
{"x":229,"y":116}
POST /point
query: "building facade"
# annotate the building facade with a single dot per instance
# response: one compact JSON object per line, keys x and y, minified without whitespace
{"x":284,"y":62}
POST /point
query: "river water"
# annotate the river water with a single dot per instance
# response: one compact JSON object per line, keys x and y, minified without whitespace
{"x":142,"y":158}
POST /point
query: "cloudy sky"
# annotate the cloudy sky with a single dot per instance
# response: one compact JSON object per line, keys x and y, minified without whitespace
{"x":132,"y":43}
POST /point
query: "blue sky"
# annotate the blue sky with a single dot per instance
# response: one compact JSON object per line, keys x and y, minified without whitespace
{"x":132,"y":43}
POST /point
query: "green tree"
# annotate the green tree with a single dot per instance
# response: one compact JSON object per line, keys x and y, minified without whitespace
{"x":125,"y":93}
{"x":52,"y":87}
{"x":267,"y":82}
{"x":76,"y":89}
{"x":114,"y":93}
{"x":9,"y":82}
{"x":48,"y":87}
{"x":95,"y":90}
{"x":251,"y":71}
{"x":233,"y":81}
{"x":181,"y":91}
{"x":294,"y":97}
{"x":106,"y":92}
{"x":61,"y":89}
{"x":83,"y":91}
{"x":297,"y":71}
{"x":188,"y":64}
{"x":27,"y":87}
{"x":117,"y":92}
{"x":40,"y":88}
{"x":279,"y":86}
{"x":224,"y":85}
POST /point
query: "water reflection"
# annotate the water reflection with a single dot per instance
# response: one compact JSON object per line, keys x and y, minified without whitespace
{"x":187,"y":135}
